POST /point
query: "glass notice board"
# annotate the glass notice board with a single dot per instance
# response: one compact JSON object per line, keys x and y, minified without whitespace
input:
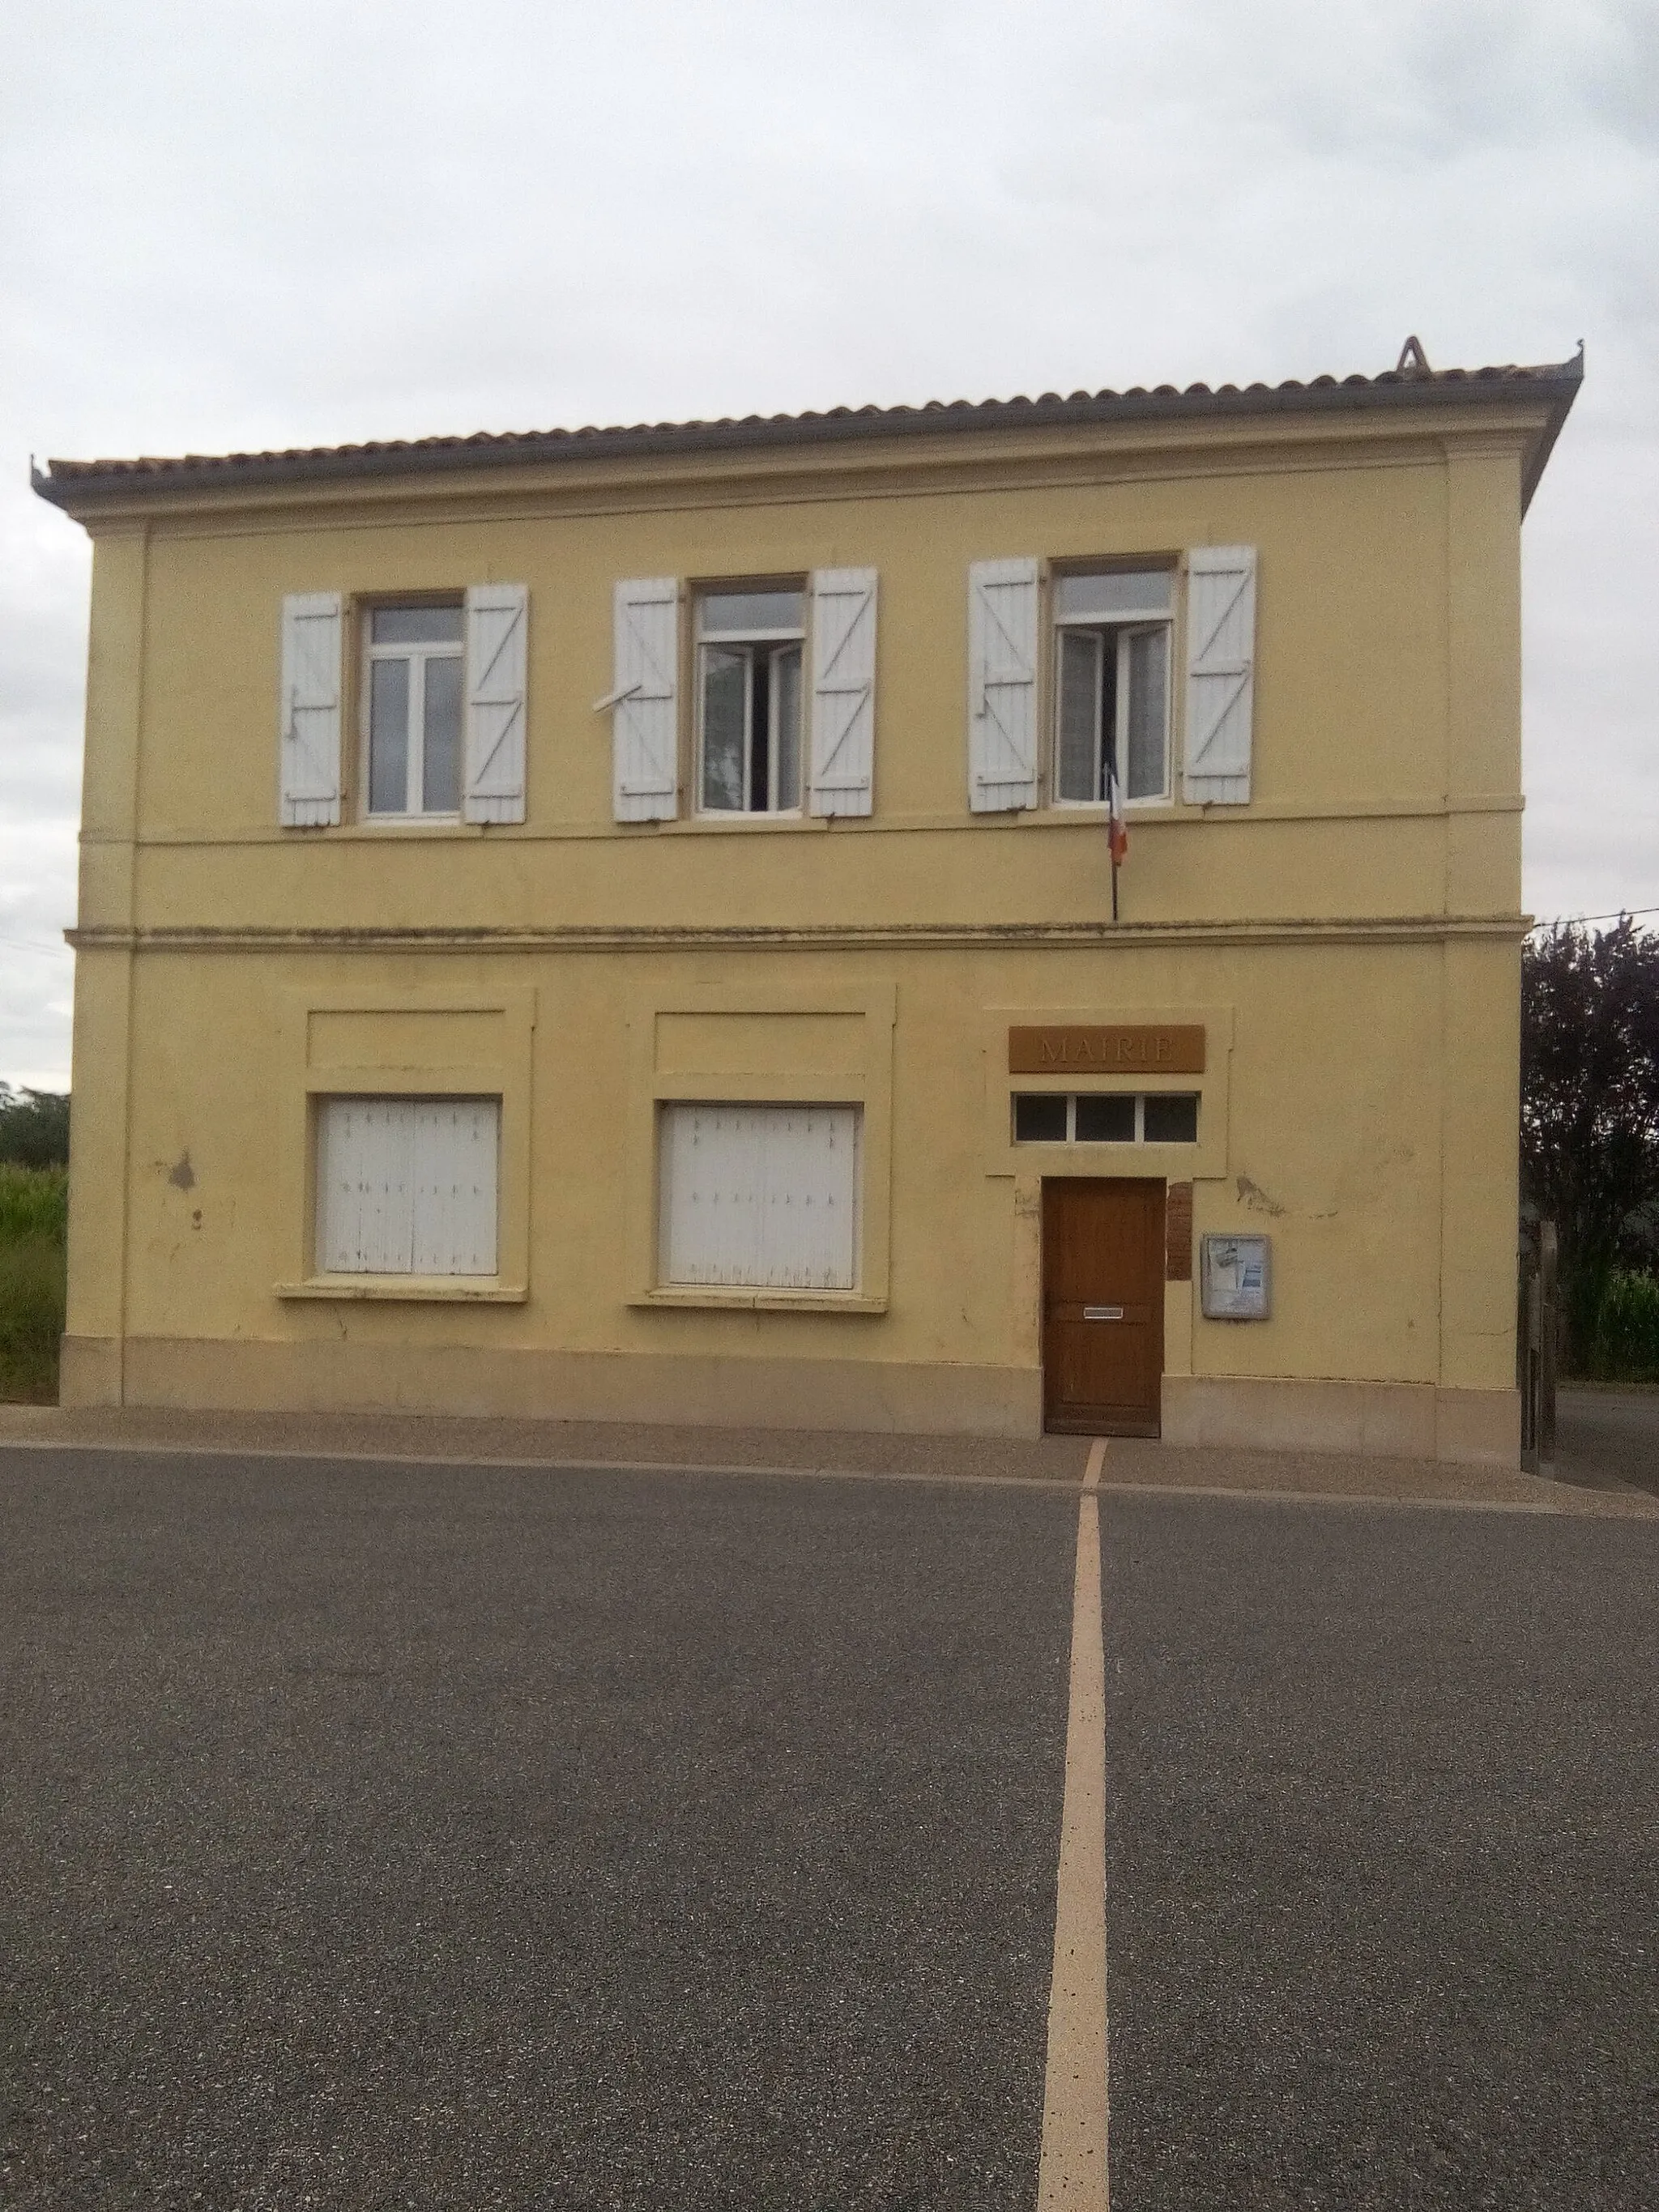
{"x":1236,"y":1275}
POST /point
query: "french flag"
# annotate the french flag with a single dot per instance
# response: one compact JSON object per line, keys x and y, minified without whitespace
{"x":1116,"y":828}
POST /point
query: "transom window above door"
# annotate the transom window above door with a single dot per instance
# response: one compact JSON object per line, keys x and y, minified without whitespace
{"x":748,"y":694}
{"x":1112,"y":685}
{"x":412,"y":694}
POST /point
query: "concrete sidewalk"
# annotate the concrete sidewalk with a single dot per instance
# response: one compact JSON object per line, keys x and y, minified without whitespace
{"x":1129,"y":1464}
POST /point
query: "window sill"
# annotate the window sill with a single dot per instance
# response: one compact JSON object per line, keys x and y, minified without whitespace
{"x":742,"y":825}
{"x":428,"y":1290}
{"x":1098,"y":810}
{"x":742,"y":1300}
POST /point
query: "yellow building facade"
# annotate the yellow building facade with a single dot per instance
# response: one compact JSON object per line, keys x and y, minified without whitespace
{"x":620,"y":924}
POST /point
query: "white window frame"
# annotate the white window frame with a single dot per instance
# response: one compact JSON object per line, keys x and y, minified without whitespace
{"x":1120,"y":630}
{"x":414,"y":814}
{"x":742,"y":641}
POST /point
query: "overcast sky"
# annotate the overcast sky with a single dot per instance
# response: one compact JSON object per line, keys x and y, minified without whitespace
{"x":248,"y":225}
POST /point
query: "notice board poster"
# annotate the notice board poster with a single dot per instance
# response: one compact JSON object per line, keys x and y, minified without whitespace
{"x":1238,"y":1278}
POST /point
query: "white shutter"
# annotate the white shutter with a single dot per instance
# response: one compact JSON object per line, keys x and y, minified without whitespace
{"x":364,"y":1205}
{"x":843,"y":689}
{"x":407,"y":1186}
{"x":1220,"y":673}
{"x":454,"y":1178}
{"x":645,"y":720}
{"x":1002,"y":658}
{"x":760,"y":1197}
{"x":309,"y":737}
{"x":497,"y":622}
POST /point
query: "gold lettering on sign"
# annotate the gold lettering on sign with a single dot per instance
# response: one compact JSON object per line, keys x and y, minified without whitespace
{"x":1111,"y":1049}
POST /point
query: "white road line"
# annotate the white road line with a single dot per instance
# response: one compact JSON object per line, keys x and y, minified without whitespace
{"x":1072,"y":2172}
{"x":1096,"y":1460}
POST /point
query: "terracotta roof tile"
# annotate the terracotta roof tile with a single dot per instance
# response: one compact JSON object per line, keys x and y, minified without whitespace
{"x":70,"y":482}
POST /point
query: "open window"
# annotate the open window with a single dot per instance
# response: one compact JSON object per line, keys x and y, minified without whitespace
{"x":748,"y":694}
{"x":1112,"y":633}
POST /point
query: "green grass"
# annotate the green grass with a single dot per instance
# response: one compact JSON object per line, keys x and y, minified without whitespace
{"x":33,"y":1209}
{"x":34,"y":1202}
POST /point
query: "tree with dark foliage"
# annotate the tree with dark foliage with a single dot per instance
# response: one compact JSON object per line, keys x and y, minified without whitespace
{"x":1589,"y":1101}
{"x":34,"y":1127}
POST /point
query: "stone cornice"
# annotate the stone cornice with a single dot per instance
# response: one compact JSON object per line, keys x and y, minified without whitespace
{"x":836,"y":937}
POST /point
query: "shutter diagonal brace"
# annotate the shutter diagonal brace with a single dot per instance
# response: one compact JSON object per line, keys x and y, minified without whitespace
{"x":857,"y":693}
{"x":514,"y":700}
{"x":1222,"y":683}
{"x":495,"y":709}
{"x":1202,"y":651}
{"x":986,"y":708}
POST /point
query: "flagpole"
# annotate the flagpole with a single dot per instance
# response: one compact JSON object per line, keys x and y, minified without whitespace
{"x":1115,"y":838}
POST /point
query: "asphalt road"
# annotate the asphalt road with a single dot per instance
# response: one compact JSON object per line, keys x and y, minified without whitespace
{"x":1382,"y":1858}
{"x":443,"y":1837}
{"x":1607,"y":1438}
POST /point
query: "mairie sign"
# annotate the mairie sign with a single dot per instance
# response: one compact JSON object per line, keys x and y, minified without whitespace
{"x":1111,"y":1048}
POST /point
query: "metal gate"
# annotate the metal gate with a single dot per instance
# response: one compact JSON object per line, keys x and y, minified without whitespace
{"x":1534,"y":1346}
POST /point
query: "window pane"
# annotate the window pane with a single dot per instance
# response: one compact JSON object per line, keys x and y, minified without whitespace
{"x":725,"y":722}
{"x":1106,"y":1120}
{"x":1079,"y":715}
{"x":734,"y":614}
{"x":1040,"y":1118}
{"x":1118,"y":592}
{"x":415,"y":625}
{"x":1148,"y":665}
{"x":388,"y":737}
{"x":441,"y":790}
{"x":1172,"y":1120}
{"x":786,"y":724}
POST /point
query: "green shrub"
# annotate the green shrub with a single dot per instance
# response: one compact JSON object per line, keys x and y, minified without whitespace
{"x":33,"y":1203}
{"x":34,"y":1126}
{"x":30,"y":1316}
{"x":1627,"y":1347}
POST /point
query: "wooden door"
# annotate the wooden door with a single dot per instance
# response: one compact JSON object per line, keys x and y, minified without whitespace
{"x":1103,"y":1306}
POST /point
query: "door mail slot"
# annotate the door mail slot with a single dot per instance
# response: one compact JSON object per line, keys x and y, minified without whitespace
{"x":1103,"y":1313}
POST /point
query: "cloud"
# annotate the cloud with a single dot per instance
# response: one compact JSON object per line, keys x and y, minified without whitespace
{"x":232,"y":227}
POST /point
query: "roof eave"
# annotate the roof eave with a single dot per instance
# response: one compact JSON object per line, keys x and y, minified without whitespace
{"x":1556,"y":385}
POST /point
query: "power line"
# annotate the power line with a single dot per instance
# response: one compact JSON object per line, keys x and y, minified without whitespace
{"x":1623,"y":914}
{"x":25,"y":945}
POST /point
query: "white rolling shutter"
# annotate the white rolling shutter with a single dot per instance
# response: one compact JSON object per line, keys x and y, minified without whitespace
{"x":760,"y":1197}
{"x":497,"y":623}
{"x":843,"y":689}
{"x":1002,"y":657}
{"x":645,"y":721}
{"x":407,"y":1186}
{"x":309,"y":731}
{"x":1220,"y":673}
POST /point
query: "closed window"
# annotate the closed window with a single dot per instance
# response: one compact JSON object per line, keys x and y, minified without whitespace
{"x":1112,"y":685}
{"x":762,"y":1197}
{"x":407,"y":1186}
{"x":412,"y":689}
{"x":1155,"y":1117}
{"x":748,"y":681}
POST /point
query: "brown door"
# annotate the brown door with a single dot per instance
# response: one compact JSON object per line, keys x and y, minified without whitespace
{"x":1103,"y":1306}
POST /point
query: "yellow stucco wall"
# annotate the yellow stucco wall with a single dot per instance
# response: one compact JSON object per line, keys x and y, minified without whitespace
{"x":1354,"y":934}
